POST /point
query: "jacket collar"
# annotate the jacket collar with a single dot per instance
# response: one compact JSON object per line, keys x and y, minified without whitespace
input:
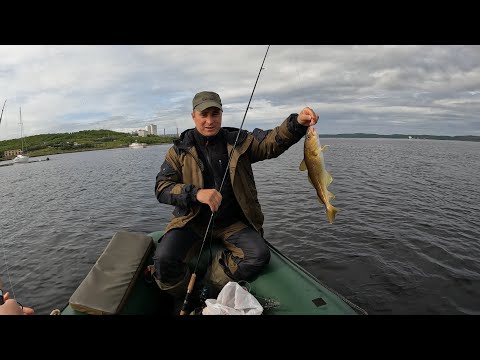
{"x":201,"y":139}
{"x":187,"y":138}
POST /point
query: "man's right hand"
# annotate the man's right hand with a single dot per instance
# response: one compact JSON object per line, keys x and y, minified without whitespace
{"x":211,"y":197}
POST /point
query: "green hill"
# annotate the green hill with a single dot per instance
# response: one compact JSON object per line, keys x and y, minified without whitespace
{"x":49,"y":144}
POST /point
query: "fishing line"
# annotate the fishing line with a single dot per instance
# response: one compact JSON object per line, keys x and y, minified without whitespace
{"x":1,"y":115}
{"x":299,"y":76}
{"x":194,"y":274}
{"x":6,"y":267}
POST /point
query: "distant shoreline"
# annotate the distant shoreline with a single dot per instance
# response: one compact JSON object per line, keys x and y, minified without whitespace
{"x":46,"y":155}
{"x":402,"y":136}
{"x":85,"y":140}
{"x":92,"y":140}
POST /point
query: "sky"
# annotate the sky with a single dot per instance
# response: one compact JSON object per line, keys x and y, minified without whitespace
{"x":380,"y":89}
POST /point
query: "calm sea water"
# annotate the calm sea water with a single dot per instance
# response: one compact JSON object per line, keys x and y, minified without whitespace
{"x":404,"y":242}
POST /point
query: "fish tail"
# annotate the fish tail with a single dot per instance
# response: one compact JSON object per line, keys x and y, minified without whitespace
{"x":331,"y":212}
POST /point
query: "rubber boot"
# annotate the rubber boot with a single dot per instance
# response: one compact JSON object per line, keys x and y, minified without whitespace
{"x":216,"y":278}
{"x":178,"y":290}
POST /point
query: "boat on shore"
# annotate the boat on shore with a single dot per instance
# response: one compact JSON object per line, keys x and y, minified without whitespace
{"x":21,"y":159}
{"x":120,"y":283}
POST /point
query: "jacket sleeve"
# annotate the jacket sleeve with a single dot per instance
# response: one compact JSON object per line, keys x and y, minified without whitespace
{"x":169,"y":186}
{"x":269,"y":144}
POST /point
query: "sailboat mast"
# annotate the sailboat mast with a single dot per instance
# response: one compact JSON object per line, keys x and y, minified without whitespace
{"x":21,"y":127}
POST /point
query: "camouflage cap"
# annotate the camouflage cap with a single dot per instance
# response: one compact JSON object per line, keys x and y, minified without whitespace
{"x":206,"y":99}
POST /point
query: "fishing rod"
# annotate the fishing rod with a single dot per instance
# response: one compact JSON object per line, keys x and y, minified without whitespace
{"x":3,"y":243}
{"x":1,"y":115}
{"x":1,"y":292}
{"x":194,"y":274}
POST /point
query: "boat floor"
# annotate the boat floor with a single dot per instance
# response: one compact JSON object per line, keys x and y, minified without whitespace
{"x":283,"y":288}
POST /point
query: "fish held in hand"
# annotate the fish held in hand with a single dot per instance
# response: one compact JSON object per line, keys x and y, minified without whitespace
{"x":319,"y":177}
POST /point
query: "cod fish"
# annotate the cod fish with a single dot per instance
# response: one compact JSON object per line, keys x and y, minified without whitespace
{"x":317,"y":174}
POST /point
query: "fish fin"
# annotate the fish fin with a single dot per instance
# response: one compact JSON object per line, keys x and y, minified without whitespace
{"x":328,"y":177}
{"x":331,"y":212}
{"x":324,"y":147}
{"x":330,"y":196}
{"x":303,"y":166}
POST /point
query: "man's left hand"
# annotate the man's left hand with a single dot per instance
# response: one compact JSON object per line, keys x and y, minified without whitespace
{"x":11,"y":307}
{"x":307,"y":117}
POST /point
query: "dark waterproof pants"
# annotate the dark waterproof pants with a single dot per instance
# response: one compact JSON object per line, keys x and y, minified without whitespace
{"x":245,"y":255}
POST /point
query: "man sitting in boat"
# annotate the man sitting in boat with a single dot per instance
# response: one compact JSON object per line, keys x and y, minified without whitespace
{"x":197,"y":178}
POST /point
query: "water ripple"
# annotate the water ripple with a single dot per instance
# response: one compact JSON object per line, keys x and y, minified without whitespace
{"x":404,"y":240}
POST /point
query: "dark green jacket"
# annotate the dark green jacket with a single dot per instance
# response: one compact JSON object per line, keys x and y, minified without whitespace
{"x":180,"y":176}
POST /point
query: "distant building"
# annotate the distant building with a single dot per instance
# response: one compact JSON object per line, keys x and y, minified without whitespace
{"x":9,"y":154}
{"x":142,"y":133}
{"x":151,"y":129}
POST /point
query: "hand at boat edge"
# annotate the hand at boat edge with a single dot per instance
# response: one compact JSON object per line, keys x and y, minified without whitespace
{"x":11,"y":307}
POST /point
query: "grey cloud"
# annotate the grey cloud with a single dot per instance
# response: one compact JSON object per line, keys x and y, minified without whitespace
{"x":381,"y":89}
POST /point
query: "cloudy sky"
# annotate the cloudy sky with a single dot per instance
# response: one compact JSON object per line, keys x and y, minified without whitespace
{"x":371,"y":89}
